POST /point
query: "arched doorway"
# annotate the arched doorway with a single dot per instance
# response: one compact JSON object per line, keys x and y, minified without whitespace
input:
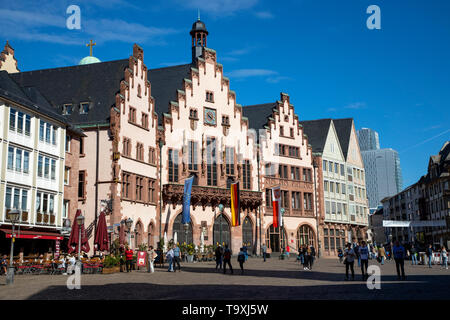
{"x":178,"y":227}
{"x":305,"y":236}
{"x":222,"y":232}
{"x":276,"y":239}
{"x":247,"y":233}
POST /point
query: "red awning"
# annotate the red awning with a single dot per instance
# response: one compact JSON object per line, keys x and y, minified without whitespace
{"x":29,"y":234}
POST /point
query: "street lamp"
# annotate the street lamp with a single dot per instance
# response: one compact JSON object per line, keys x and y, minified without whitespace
{"x":80,"y":221}
{"x":14,"y":215}
{"x":315,"y":166}
{"x":129,"y":223}
{"x":161,"y":143}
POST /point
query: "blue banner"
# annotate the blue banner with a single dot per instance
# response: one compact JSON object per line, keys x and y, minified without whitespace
{"x":187,"y":200}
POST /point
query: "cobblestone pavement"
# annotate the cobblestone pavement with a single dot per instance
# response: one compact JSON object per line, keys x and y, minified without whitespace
{"x":274,"y":279}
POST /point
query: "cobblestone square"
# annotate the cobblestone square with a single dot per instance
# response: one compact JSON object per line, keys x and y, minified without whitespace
{"x":275,"y":279}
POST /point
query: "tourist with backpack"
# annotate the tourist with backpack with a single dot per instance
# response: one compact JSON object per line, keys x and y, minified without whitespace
{"x":241,"y":259}
{"x":227,"y":259}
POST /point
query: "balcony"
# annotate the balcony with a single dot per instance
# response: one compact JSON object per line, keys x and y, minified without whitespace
{"x":210,"y":196}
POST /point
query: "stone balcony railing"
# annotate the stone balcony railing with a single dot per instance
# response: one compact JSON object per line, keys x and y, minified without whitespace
{"x":210,"y":196}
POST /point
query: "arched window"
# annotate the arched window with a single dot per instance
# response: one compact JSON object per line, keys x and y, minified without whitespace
{"x":138,"y":235}
{"x":222,"y":232}
{"x":182,"y":234}
{"x":150,"y":235}
{"x":247,"y":233}
{"x":305,"y":236}
{"x":275,"y":239}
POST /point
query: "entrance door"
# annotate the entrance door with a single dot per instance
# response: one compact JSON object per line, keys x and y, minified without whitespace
{"x":276,"y":238}
{"x":222,"y":234}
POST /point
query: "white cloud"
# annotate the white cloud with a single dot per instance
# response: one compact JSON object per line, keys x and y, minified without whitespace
{"x":356,"y":106}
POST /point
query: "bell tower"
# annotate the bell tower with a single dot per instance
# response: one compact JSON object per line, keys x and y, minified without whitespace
{"x":198,"y":34}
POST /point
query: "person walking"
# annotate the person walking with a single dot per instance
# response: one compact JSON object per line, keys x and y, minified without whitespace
{"x":264,"y":251}
{"x":312,"y":256}
{"x":244,"y":248}
{"x":364,"y":259}
{"x":241,"y":259}
{"x":301,"y":255}
{"x":413,"y":252}
{"x":169,"y":257}
{"x":227,"y":259}
{"x":399,"y":253}
{"x":382,"y":254}
{"x":176,"y":257}
{"x":128,"y":258}
{"x":218,"y":253}
{"x":151,"y":255}
{"x":429,"y":254}
{"x":356,"y":250}
{"x":349,"y":261}
{"x":444,"y":258}
{"x":288,"y":251}
{"x":4,"y":264}
{"x":306,"y":254}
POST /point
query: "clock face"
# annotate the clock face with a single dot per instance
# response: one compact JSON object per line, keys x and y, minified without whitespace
{"x":210,"y":116}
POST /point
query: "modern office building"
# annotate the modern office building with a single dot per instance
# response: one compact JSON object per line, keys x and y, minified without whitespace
{"x":383,"y":172}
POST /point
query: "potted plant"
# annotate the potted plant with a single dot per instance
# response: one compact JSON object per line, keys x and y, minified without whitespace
{"x":190,"y":252}
{"x":111,"y":264}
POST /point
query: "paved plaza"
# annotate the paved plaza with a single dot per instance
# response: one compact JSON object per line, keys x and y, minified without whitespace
{"x":274,"y":279}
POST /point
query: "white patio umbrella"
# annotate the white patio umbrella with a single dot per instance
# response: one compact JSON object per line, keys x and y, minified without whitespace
{"x":202,"y":242}
{"x":165,"y":241}
{"x":175,"y":238}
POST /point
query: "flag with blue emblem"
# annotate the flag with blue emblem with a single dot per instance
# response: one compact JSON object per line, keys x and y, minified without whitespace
{"x":186,"y":218}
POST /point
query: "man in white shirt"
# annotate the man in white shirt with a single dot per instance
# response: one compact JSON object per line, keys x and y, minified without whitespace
{"x":364,"y":256}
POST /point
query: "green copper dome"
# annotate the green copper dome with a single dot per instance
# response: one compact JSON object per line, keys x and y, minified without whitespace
{"x":88,"y":60}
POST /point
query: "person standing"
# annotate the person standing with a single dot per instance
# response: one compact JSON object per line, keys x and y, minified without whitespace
{"x":307,"y":255}
{"x":151,"y":255}
{"x":264,"y":251}
{"x":169,"y":257}
{"x":444,"y":258}
{"x":399,"y":253}
{"x":364,"y":259}
{"x":218,"y":253}
{"x":227,"y":259}
{"x":241,"y":259}
{"x":413,"y":253}
{"x":244,"y":248}
{"x":129,"y":258}
{"x":4,"y":264}
{"x":288,"y":251}
{"x":301,"y":255}
{"x":312,"y":256}
{"x":356,"y":250}
{"x":176,"y":257}
{"x":381,"y":254}
{"x":430,"y":254}
{"x":349,"y":261}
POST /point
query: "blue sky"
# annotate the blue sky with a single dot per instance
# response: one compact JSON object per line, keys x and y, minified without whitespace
{"x":395,"y":80}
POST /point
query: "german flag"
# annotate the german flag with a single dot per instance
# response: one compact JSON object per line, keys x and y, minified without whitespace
{"x":235,"y":205}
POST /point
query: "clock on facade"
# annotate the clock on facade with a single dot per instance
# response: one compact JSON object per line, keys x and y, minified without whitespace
{"x":210,"y":116}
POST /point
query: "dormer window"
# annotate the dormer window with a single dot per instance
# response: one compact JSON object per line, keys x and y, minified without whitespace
{"x":67,"y":109}
{"x":84,"y":108}
{"x":226,"y":120}
{"x":209,"y":96}
{"x":281,"y":131}
{"x":292,"y":132}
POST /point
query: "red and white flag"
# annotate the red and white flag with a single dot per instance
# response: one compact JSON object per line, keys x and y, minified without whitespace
{"x":276,"y":204}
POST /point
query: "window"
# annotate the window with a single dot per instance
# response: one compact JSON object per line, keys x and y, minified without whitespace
{"x":26,"y":161}
{"x":295,"y":173}
{"x":336,"y":168}
{"x":10,"y":158}
{"x":269,"y":198}
{"x":139,"y":151}
{"x":281,"y":131}
{"x":126,"y":147}
{"x":18,"y":159}
{"x":151,"y":155}
{"x":296,"y":200}
{"x":20,"y":122}
{"x":27,"y":124}
{"x":307,"y":201}
{"x":292,"y":132}
{"x":41,"y":130}
{"x":327,"y":207}
{"x":81,"y":184}
{"x":330,"y":167}
{"x":125,"y":185}
{"x":173,"y":165}
{"x":193,"y":114}
{"x":81,"y":146}
{"x":139,"y":188}
{"x":12,"y":119}
{"x":331,"y":186}
{"x":132,"y":115}
{"x":67,"y":146}
{"x":151,"y":197}
{"x":84,"y":108}
{"x":66,"y":175}
{"x":48,"y":130}
{"x":325,"y":165}
{"x":226,"y":120}
{"x":338,"y":190}
{"x":66,"y":207}
{"x":325,"y":185}
{"x":342,"y":170}
{"x":67,"y":109}
{"x":246,"y":174}
{"x":211,"y":161}
{"x":284,"y":199}
{"x":193,"y":154}
{"x":16,"y":198}
{"x":209,"y":96}
{"x":229,"y":157}
{"x":307,"y":175}
{"x":46,"y":167}
{"x":40,"y":165}
{"x":283,"y":171}
{"x":145,"y":120}
{"x":53,"y":169}
{"x":333,"y":208}
{"x":45,"y":203}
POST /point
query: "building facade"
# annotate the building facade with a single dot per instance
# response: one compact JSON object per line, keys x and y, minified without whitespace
{"x":368,"y":139}
{"x":345,"y":203}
